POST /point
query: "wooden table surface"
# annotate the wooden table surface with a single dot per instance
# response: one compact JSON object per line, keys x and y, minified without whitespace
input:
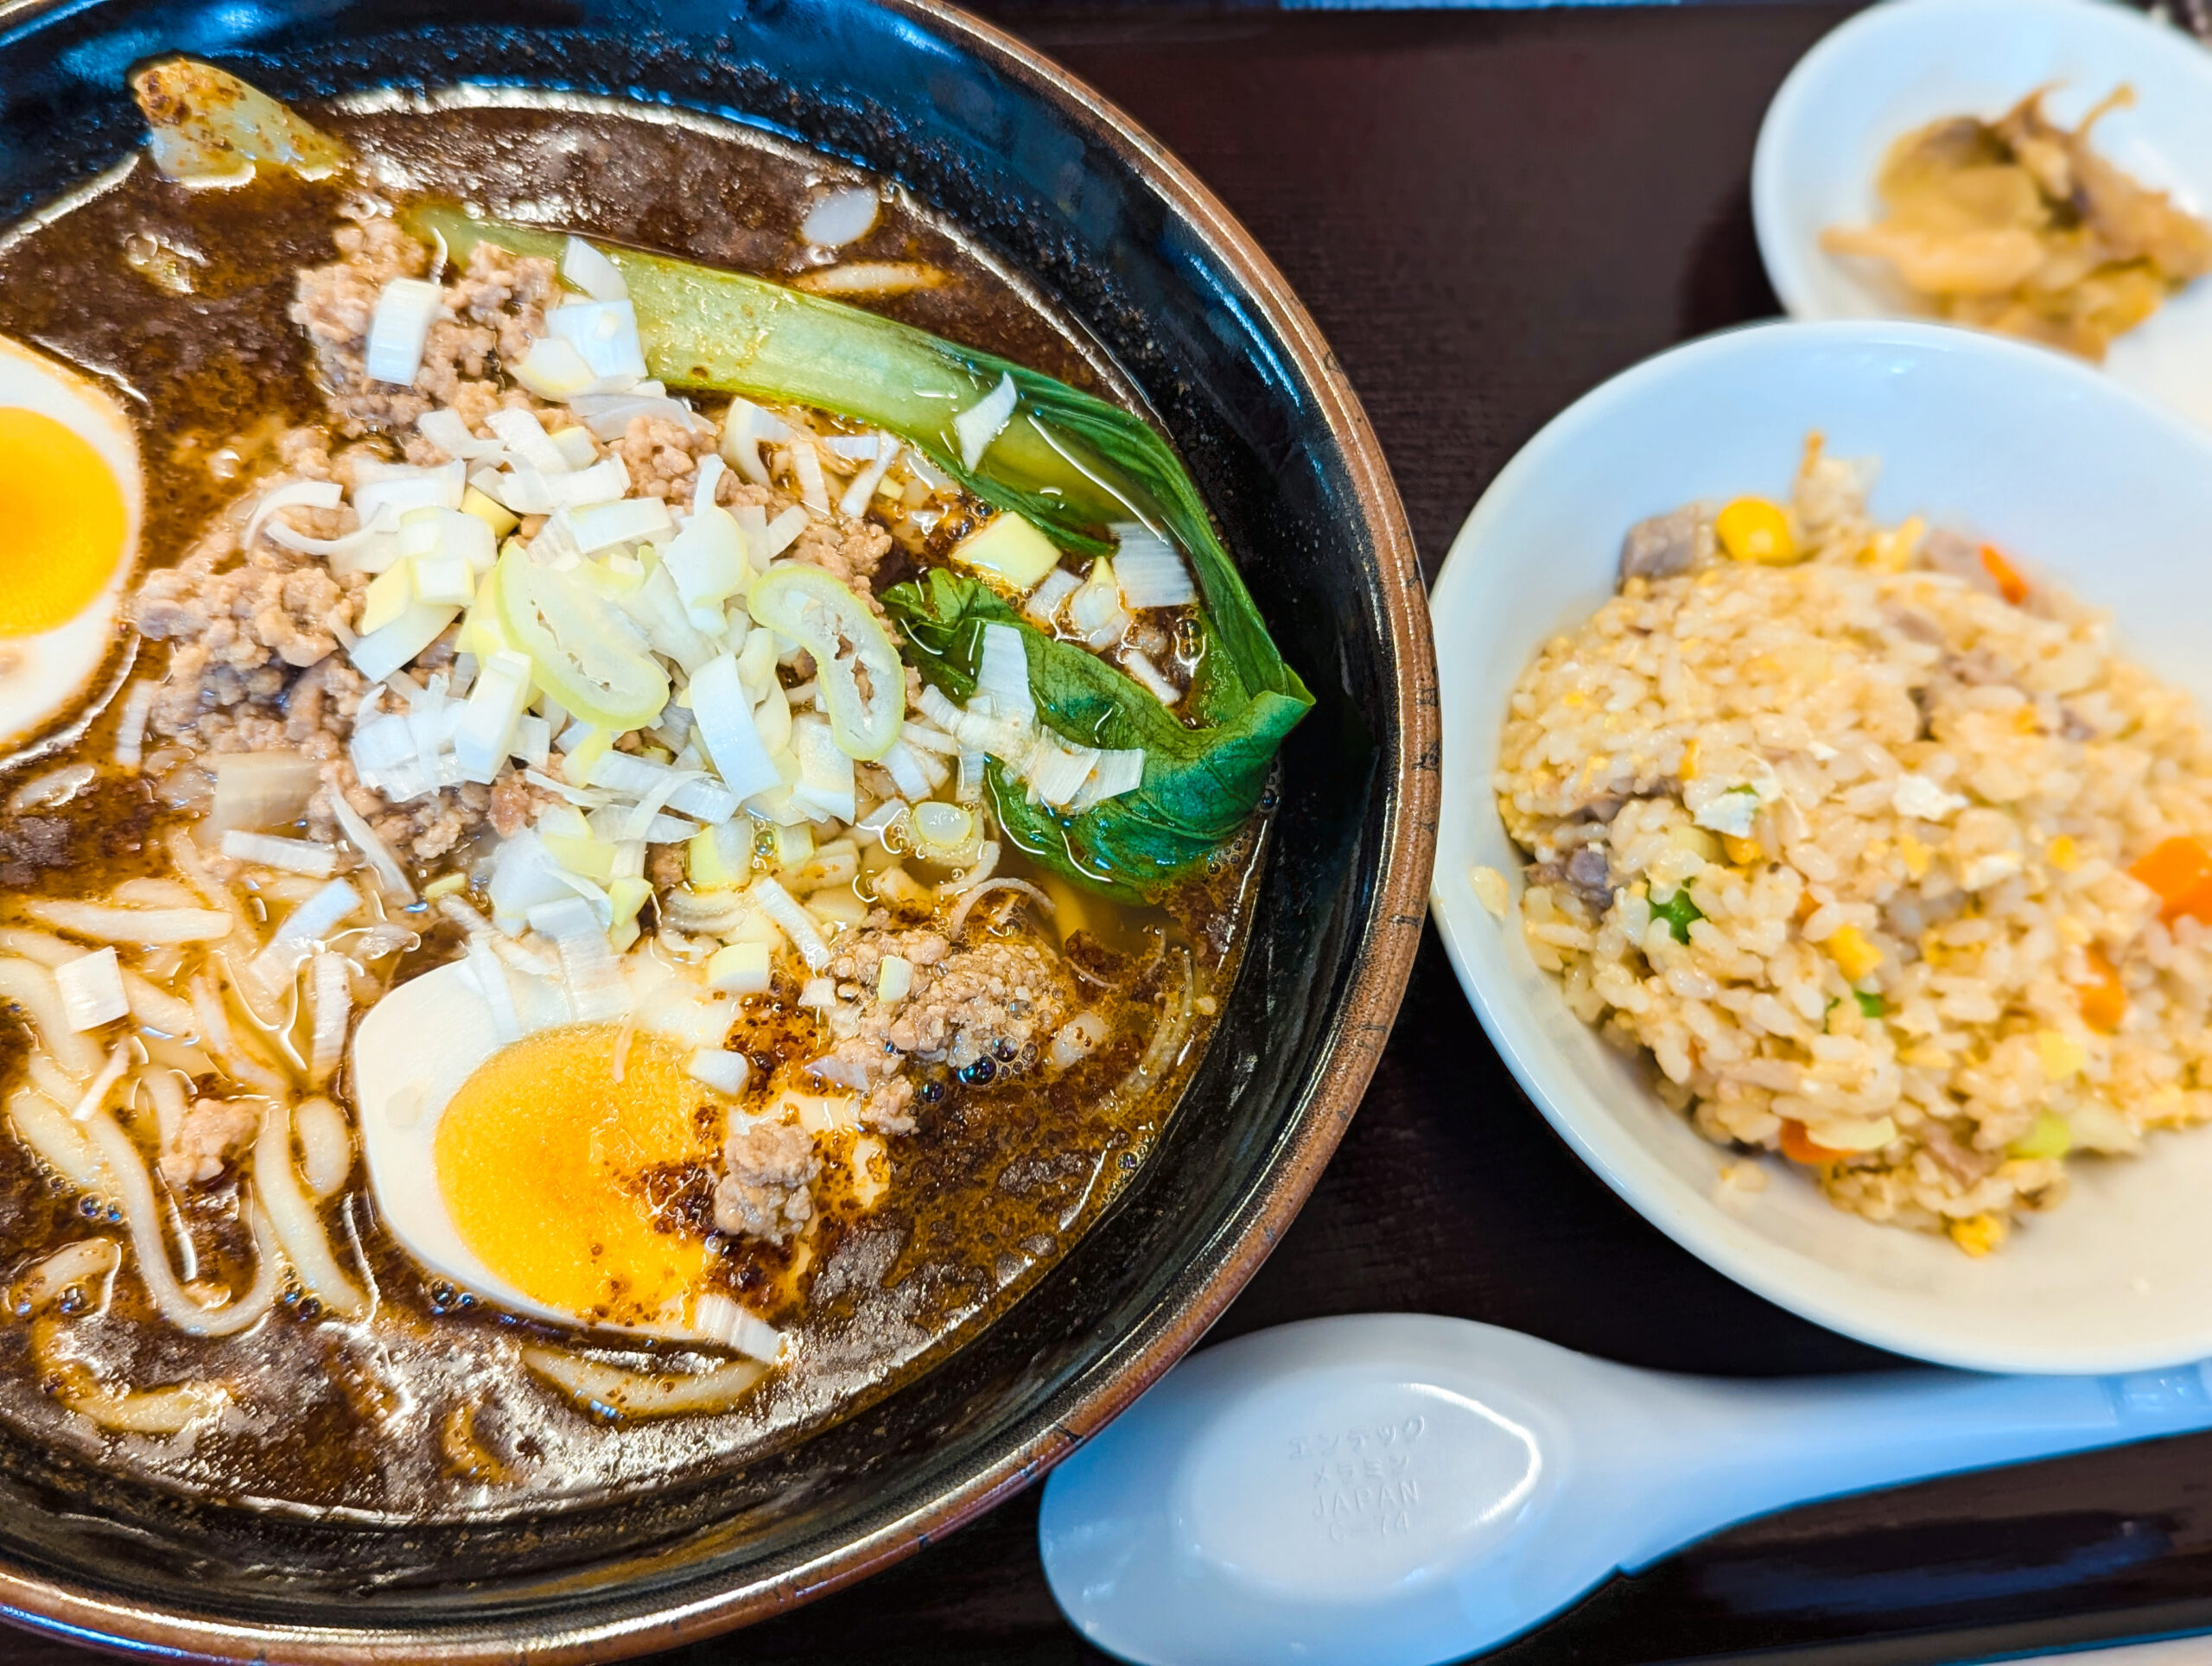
{"x":1488,"y":213}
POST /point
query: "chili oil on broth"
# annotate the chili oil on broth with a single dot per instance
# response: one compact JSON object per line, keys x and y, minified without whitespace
{"x":180,"y":298}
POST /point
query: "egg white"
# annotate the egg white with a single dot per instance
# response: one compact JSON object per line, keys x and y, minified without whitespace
{"x":414,"y":1050}
{"x":44,"y":674}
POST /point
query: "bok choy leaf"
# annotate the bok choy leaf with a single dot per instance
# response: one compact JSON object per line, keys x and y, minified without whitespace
{"x":1199,"y":784}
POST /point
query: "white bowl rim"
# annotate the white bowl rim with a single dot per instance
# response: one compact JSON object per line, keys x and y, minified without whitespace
{"x":1788,"y":261}
{"x":1825,"y":1296}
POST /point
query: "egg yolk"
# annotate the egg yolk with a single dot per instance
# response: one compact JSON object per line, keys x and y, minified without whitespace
{"x":62,"y":523}
{"x":567,"y":1183}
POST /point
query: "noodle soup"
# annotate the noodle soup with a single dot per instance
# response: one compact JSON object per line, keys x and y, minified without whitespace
{"x":643,"y":839}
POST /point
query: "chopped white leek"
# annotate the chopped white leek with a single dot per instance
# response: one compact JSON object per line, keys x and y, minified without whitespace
{"x":855,"y":503}
{"x":724,"y":715}
{"x":659,"y":608}
{"x":894,"y":980}
{"x":524,"y":876}
{"x":984,"y":421}
{"x":825,"y":771}
{"x":776,"y":536}
{"x":553,"y":368}
{"x":1043,"y":606}
{"x":623,"y":771}
{"x":905,"y":768}
{"x":605,"y":482}
{"x":806,"y":463}
{"x":592,"y":271}
{"x":608,"y":416}
{"x":942,"y":832}
{"x":1056,"y":771}
{"x":400,"y":328}
{"x":302,"y":934}
{"x":390,"y":491}
{"x":596,"y":990}
{"x":447,"y":533}
{"x":756,"y":665}
{"x":706,"y":482}
{"x":605,"y":334}
{"x":445,"y":578}
{"x":380,"y":748}
{"x":298,"y":494}
{"x":1149,"y":571}
{"x":575,"y":446}
{"x":381,"y":652}
{"x":794,"y":921}
{"x":1002,"y":674}
{"x":367,"y":548}
{"x":374,"y":851}
{"x":725,"y":1072}
{"x":606,"y":525}
{"x":387,"y":597}
{"x":1116,"y":772}
{"x":707,"y":559}
{"x":1095,"y":610}
{"x":745,"y":427}
{"x":485,"y":734}
{"x":522,"y":433}
{"x":925,"y":738}
{"x":533,"y":740}
{"x":1138,"y":664}
{"x":321,"y":913}
{"x":450,"y":432}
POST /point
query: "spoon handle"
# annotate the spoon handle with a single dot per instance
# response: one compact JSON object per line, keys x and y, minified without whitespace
{"x":1723,"y":1451}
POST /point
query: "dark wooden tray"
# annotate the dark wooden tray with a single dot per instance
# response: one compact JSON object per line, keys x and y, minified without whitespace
{"x":1488,"y":213}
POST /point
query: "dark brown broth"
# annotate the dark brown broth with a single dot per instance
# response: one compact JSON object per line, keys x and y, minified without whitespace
{"x":996,"y":1182}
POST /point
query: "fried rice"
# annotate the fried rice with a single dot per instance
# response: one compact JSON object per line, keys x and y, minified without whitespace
{"x":1836,"y":824}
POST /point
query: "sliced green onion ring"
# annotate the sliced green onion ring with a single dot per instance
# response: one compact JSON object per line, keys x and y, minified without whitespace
{"x":577,"y":654}
{"x":846,"y":638}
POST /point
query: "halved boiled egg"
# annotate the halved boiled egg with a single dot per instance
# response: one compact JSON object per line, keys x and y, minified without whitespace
{"x":556,"y":1173}
{"x":71,"y":502}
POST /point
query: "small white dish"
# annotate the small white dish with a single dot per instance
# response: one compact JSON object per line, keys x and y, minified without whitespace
{"x":1903,"y":64}
{"x":2079,"y":480}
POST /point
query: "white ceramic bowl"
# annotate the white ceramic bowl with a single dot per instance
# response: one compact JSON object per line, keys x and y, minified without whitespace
{"x":2083,"y":483}
{"x":1902,"y":65}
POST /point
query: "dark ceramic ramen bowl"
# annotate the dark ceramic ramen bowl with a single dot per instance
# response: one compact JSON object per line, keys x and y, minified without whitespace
{"x":1066,"y":190}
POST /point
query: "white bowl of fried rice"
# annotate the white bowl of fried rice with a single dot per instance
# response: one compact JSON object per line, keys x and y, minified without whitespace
{"x":1839,"y":881}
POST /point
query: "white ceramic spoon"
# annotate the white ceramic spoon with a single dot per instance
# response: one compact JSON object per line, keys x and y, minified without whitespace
{"x":1398,"y":1490}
